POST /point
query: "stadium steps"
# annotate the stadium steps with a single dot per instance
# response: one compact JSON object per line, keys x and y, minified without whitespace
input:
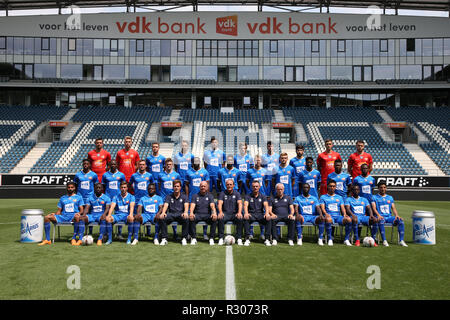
{"x":31,"y":158}
{"x":386,"y":117}
{"x":423,"y":159}
{"x":384,"y":133}
{"x":68,"y":116}
{"x":175,"y":115}
{"x":301,"y":136}
{"x":199,"y":138}
{"x":153,"y":133}
{"x":186,"y":132}
{"x":70,"y":131}
{"x":289,"y":148}
{"x":35,"y":134}
{"x":166,"y":149}
{"x":421,"y":137}
{"x":279,"y":116}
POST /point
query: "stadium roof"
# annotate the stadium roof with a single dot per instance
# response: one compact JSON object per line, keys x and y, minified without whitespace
{"x":436,"y":5}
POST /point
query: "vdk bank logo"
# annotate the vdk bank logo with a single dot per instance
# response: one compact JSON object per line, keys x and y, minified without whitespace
{"x":227,"y":25}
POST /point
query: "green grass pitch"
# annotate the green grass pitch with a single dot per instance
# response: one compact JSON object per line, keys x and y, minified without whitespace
{"x":147,"y":271}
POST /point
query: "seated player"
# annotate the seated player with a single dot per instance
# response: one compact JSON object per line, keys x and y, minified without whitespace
{"x":70,"y":207}
{"x":229,"y":205}
{"x":332,"y":206}
{"x":192,"y":184}
{"x":383,"y":206}
{"x":148,"y":210}
{"x":202,"y":208}
{"x":282,"y":210}
{"x":123,"y":208}
{"x":256,"y":209}
{"x":112,"y":180}
{"x":261,"y":175}
{"x":95,"y":210}
{"x":175,"y":209}
{"x":359,"y":209}
{"x":307,"y":210}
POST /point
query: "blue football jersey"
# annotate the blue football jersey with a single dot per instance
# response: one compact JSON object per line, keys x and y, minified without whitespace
{"x":366,"y":186}
{"x":357,"y":205}
{"x":270,"y":162}
{"x":225,"y":174}
{"x":261,"y":176}
{"x":140,"y":184}
{"x":155,"y":165}
{"x":70,"y":205}
{"x":85,"y":183}
{"x":214,"y":160}
{"x":312,"y":178}
{"x":285,"y":175}
{"x":183,"y":163}
{"x":98,"y":204}
{"x":166,"y":180}
{"x":194,"y":178}
{"x":384,"y":204}
{"x":123,"y":203}
{"x":243,"y":164}
{"x":343,"y":180}
{"x":306,"y":205}
{"x":150,"y":205}
{"x":332,"y":204}
{"x":298,"y":165}
{"x":112,"y":183}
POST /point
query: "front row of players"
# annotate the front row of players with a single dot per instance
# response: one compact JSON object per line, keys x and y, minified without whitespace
{"x":329,"y":211}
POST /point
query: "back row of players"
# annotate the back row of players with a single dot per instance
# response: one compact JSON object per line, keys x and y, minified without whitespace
{"x":292,"y":189}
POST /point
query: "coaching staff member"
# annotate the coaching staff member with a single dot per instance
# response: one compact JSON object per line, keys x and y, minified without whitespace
{"x":202,"y":208}
{"x":230,"y":209}
{"x":256,"y":209}
{"x":282,"y":209}
{"x":175,"y":208}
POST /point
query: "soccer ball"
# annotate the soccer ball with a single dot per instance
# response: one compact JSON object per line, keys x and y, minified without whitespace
{"x":229,"y":240}
{"x":368,"y":242}
{"x":87,"y":240}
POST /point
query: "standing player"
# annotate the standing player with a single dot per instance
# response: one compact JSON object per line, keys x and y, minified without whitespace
{"x":192,"y":184}
{"x":244,"y":162}
{"x":281,"y":207}
{"x":256,"y":209}
{"x":343,"y":180}
{"x":357,"y":207}
{"x":127,"y":159}
{"x":202,"y":208}
{"x":365,"y":182}
{"x":332,"y":206}
{"x":284,"y":174}
{"x":70,"y":207}
{"x":325,"y":163}
{"x":99,"y":158}
{"x":85,"y":180}
{"x":122,"y":206}
{"x":155,"y":165}
{"x":310,"y":176}
{"x":140,"y":180}
{"x":213,"y":161}
{"x":298,"y":163}
{"x":148,"y":210}
{"x":270,"y":161}
{"x":383,"y":205}
{"x":357,"y":159}
{"x":307,"y":210}
{"x":112,"y":180}
{"x":175,"y":209}
{"x":183,"y":160}
{"x":229,"y":205}
{"x":229,"y":172}
{"x":95,"y":210}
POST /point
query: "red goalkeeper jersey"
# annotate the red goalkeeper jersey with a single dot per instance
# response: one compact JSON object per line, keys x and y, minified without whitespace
{"x":127,"y":161}
{"x":356,"y":160}
{"x":99,"y":160}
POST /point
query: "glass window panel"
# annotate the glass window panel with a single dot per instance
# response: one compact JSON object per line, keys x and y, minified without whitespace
{"x":121,"y":50}
{"x":113,"y":72}
{"x":383,"y":72}
{"x":106,"y":47}
{"x":367,"y":73}
{"x":18,"y":45}
{"x":139,"y":72}
{"x":357,"y":73}
{"x":72,"y":71}
{"x":156,"y":48}
{"x":29,"y":71}
{"x":383,"y":45}
{"x":315,"y":45}
{"x":273,"y":46}
{"x":349,"y":48}
{"x":367,"y":48}
{"x":299,"y":48}
{"x":315,"y":72}
{"x":307,"y":48}
{"x":299,"y":71}
{"x":341,"y":72}
{"x":181,"y":46}
{"x":88,"y":47}
{"x":410,"y":71}
{"x":447,"y":47}
{"x":180,"y":72}
{"x":2,"y":43}
{"x":45,"y":43}
{"x":207,"y":72}
{"x":247,"y":73}
{"x":334,"y":50}
{"x":147,"y":48}
{"x":10,"y":45}
{"x":139,"y":45}
{"x":222,"y":48}
{"x":132,"y":48}
{"x":45,"y":71}
{"x":232,"y":73}
{"x":438,"y":47}
{"x":114,"y":45}
{"x":376,"y":49}
{"x":232,"y":48}
{"x":341,"y":45}
{"x":273,"y":73}
{"x":289,"y":74}
{"x":357,"y":48}
{"x":427,"y":73}
{"x":427,"y":47}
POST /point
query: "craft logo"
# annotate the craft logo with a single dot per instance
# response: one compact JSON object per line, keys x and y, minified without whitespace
{"x":227,"y":25}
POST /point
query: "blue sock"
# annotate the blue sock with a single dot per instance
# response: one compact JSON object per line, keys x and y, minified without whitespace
{"x":401,"y":230}
{"x":109,"y":230}
{"x":81,"y":227}
{"x":156,"y":230}
{"x":262,"y":228}
{"x":278,"y":231}
{"x":348,"y":230}
{"x":47,"y":227}
{"x":75,"y":230}
{"x":102,"y":229}
{"x":119,"y":230}
{"x":382,"y":230}
{"x":251,"y":230}
{"x":130,"y":230}
{"x":174,"y":228}
{"x":137,"y":226}
{"x":205,"y":230}
{"x":355,"y":231}
{"x":374,"y":230}
{"x":299,"y":230}
{"x":321,"y":229}
{"x":328,"y":229}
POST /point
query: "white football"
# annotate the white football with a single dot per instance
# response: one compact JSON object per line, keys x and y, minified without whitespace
{"x":229,"y":240}
{"x":368,"y":242}
{"x":87,"y":240}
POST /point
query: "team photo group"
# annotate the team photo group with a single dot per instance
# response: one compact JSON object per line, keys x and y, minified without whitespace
{"x":269,"y":190}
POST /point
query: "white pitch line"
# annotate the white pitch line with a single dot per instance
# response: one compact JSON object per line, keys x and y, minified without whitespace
{"x":230,"y":288}
{"x":9,"y":222}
